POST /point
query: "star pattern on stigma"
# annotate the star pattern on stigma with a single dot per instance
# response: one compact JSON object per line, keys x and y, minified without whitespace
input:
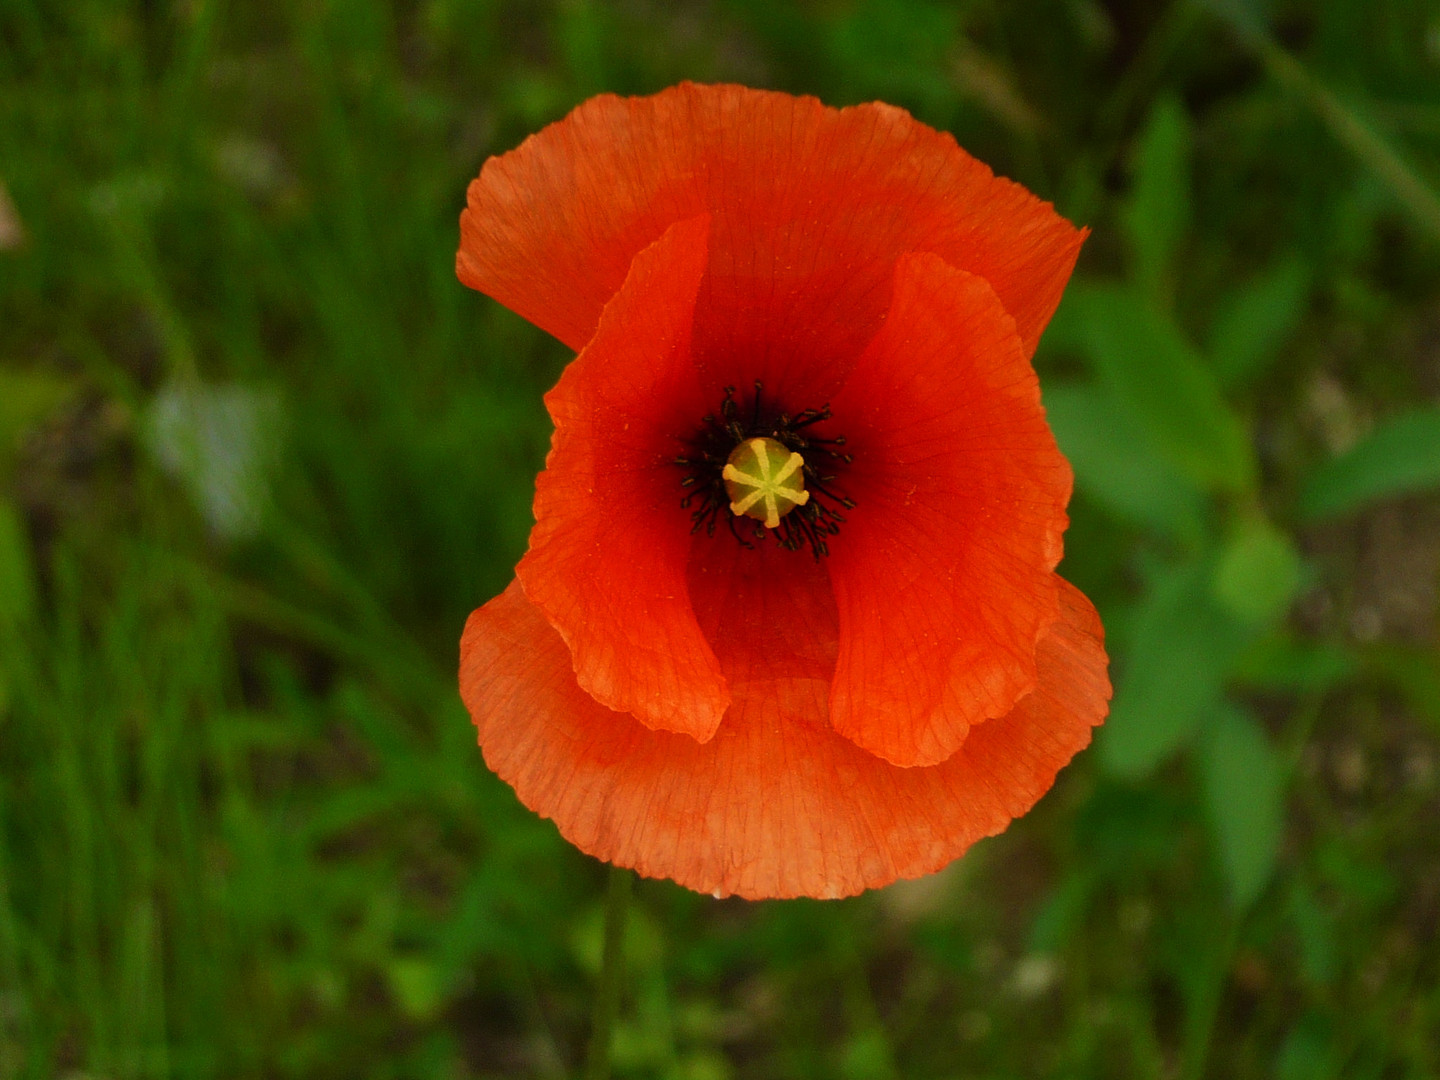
{"x":766,"y":492}
{"x":814,"y":511}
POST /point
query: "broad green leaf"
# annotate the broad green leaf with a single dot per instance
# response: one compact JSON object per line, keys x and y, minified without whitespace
{"x":1145,"y":361}
{"x":1258,"y":572}
{"x":1281,"y":663}
{"x":1241,"y":779}
{"x":1157,"y":212}
{"x":1116,"y":463}
{"x":1182,"y":647}
{"x":17,"y":570}
{"x":1254,"y":321}
{"x":1400,"y":456}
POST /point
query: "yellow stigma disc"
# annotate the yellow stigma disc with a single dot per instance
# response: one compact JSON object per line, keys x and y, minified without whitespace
{"x":765,"y":480}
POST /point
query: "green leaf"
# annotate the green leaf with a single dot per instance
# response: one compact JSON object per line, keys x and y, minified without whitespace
{"x":1145,"y":361}
{"x":1116,"y":462}
{"x":1400,"y":456}
{"x":1258,"y":572}
{"x":1255,"y":320}
{"x":1157,"y":213}
{"x":1182,"y":648}
{"x":1241,"y":780}
{"x":1281,"y":663}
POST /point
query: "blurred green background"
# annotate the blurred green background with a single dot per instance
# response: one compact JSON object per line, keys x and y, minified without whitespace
{"x":260,"y":454}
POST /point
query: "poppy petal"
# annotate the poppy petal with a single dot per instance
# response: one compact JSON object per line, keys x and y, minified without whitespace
{"x":769,"y":614}
{"x":812,"y":205}
{"x":942,"y":574}
{"x":767,"y":808}
{"x":607,"y":554}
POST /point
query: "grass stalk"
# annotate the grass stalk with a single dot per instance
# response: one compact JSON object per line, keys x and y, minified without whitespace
{"x":607,"y":992}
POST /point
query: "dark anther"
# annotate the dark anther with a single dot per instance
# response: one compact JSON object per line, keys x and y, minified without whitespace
{"x":814,"y":416}
{"x":730,"y":520}
{"x":719,"y":433}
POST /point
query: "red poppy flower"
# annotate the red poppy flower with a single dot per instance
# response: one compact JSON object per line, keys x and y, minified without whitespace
{"x":789,"y":622}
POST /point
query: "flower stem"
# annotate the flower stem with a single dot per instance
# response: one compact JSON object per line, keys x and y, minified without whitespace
{"x":607,"y":994}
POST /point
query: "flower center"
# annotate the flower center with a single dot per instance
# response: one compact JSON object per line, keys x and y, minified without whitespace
{"x":763,"y":463}
{"x":765,"y":480}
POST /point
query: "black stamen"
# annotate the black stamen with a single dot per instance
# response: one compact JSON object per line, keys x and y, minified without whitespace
{"x":705,"y":457}
{"x":735,"y":533}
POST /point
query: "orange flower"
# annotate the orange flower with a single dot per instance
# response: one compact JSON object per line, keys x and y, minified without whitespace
{"x":789,"y":623}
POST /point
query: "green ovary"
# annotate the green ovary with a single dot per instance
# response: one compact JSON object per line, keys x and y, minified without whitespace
{"x":765,"y":480}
